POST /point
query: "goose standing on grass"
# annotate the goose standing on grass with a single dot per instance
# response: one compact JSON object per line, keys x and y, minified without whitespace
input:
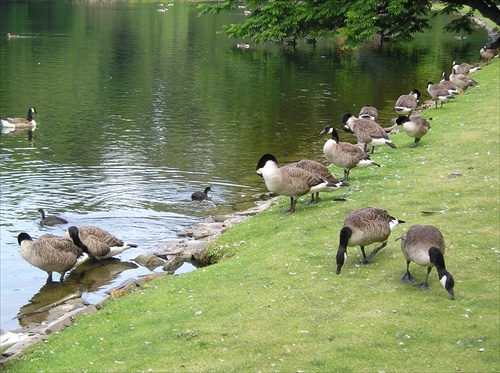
{"x":363,"y":227}
{"x":461,"y":81}
{"x":290,"y":181}
{"x":200,"y":195}
{"x":51,"y":253}
{"x":405,"y":104}
{"x":50,"y":220}
{"x":321,"y":171}
{"x":414,"y":126}
{"x":368,"y":112}
{"x":344,"y":154}
{"x":424,"y":245}
{"x":96,"y":241}
{"x":366,"y":131}
{"x":487,"y":54}
{"x":465,"y":68}
{"x":438,"y":93}
{"x":446,"y":83}
{"x":28,"y":122}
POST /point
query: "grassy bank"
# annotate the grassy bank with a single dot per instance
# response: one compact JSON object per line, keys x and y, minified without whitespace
{"x":277,"y":304}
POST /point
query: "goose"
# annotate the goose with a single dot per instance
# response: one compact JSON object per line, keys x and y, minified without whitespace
{"x":367,"y":131}
{"x":465,"y":68}
{"x":424,"y":245}
{"x":414,"y":126}
{"x":242,"y":45}
{"x":450,"y":86}
{"x":51,"y":253}
{"x":96,"y":241}
{"x":344,"y":154}
{"x":50,"y":219}
{"x":363,"y":227}
{"x":461,"y":81}
{"x":405,"y":104}
{"x":21,"y":122}
{"x":200,"y":195}
{"x":321,"y":171}
{"x":368,"y":112}
{"x":11,"y":36}
{"x":290,"y":181}
{"x":438,"y":93}
{"x":487,"y":54}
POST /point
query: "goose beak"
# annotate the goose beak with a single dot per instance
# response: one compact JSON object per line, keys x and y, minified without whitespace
{"x":452,"y":295}
{"x":339,"y":267}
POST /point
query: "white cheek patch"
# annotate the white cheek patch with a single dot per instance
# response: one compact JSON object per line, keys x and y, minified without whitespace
{"x":443,"y":280}
{"x":393,"y":223}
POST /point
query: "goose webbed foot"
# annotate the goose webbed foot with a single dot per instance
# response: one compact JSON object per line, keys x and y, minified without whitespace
{"x":423,"y":286}
{"x":408,"y":278}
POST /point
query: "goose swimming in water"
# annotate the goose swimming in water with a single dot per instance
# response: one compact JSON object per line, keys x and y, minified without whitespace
{"x":51,"y":253}
{"x":50,"y":220}
{"x":290,"y":181}
{"x":344,"y":154}
{"x":363,"y":227}
{"x":200,"y":195}
{"x":96,"y":241}
{"x":28,"y":122}
{"x":424,"y":245}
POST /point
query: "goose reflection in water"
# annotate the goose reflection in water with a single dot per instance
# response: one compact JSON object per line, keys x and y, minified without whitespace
{"x":90,"y":277}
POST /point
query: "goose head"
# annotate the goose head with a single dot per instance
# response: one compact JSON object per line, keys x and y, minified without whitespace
{"x":344,"y":122}
{"x":330,"y":130}
{"x":264,"y":161}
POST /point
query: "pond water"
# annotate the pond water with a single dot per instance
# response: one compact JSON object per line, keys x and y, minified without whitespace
{"x":138,"y":109}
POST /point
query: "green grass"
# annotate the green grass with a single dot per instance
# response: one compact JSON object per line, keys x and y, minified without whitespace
{"x":274,"y":302}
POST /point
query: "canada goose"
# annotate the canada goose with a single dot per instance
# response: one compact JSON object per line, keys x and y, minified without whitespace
{"x":21,"y":122}
{"x":51,"y":253}
{"x":242,"y":45}
{"x":50,"y":219}
{"x":12,"y":36}
{"x":368,"y":112}
{"x":461,"y":81}
{"x":310,"y":41}
{"x":465,"y":68}
{"x":445,"y":82}
{"x":96,"y":241}
{"x":367,"y":131}
{"x":424,"y":245}
{"x":487,"y":54}
{"x":363,"y":227}
{"x":290,"y":181}
{"x":405,"y":104}
{"x":438,"y":93}
{"x":321,"y":171}
{"x":414,"y":126}
{"x":199,"y":195}
{"x":344,"y":154}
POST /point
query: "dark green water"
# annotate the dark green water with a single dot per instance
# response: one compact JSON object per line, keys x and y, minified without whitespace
{"x":138,"y":109}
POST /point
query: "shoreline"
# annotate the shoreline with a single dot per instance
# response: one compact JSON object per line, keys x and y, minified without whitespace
{"x":192,"y":245}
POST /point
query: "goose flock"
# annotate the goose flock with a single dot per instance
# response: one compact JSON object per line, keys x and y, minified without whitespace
{"x":423,"y":245}
{"x":362,"y":227}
